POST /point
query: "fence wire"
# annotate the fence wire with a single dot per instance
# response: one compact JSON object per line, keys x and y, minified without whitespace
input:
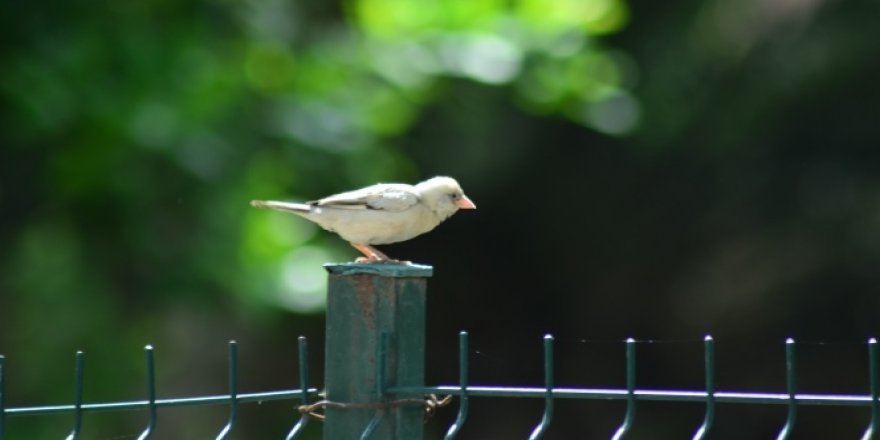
{"x":464,"y":391}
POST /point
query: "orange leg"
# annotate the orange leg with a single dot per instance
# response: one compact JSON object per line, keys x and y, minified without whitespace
{"x":372,"y":253}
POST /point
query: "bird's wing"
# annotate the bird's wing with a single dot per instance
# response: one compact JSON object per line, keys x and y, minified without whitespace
{"x":384,"y":196}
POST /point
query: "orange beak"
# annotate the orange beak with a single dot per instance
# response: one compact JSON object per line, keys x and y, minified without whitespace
{"x":465,"y":203}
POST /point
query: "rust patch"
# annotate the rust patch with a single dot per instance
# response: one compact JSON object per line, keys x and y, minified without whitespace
{"x":365,"y":295}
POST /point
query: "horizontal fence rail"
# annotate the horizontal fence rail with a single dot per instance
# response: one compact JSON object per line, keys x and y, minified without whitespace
{"x":465,"y":391}
{"x":233,"y":399}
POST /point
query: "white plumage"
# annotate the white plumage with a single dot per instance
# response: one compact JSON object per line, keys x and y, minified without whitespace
{"x":383,"y":213}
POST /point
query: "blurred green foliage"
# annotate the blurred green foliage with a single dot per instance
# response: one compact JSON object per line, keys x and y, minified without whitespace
{"x":684,"y":167}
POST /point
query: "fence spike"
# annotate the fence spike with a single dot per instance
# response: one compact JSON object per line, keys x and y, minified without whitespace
{"x":2,"y":400}
{"x":539,"y":430}
{"x":462,"y":383}
{"x":77,"y":397}
{"x":709,"y":344}
{"x":630,"y":415}
{"x":381,"y":354}
{"x":874,"y":382}
{"x":233,"y":391}
{"x":792,"y":390}
{"x":151,"y":394}
{"x":300,"y":426}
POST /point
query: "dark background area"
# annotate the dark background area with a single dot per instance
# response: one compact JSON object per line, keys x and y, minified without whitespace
{"x":656,"y":170}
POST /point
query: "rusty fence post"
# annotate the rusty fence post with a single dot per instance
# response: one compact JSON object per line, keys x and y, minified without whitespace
{"x":367,"y":303}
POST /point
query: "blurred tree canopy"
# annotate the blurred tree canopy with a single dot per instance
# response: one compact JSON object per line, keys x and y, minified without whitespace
{"x":651,"y":169}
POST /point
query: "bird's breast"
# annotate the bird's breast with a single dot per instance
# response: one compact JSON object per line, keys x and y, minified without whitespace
{"x":376,"y":226}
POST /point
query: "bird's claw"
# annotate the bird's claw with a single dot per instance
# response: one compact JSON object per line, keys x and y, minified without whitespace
{"x":368,"y":260}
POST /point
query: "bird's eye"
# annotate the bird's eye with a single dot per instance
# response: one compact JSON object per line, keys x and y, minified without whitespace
{"x":454,"y":196}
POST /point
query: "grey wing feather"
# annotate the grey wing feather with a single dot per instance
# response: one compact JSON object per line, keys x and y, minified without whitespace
{"x":386,"y":197}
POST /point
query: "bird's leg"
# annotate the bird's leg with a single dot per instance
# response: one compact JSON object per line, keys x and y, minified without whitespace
{"x":373,"y":254}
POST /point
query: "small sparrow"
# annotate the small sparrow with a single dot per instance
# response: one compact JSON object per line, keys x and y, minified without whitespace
{"x":383,"y":213}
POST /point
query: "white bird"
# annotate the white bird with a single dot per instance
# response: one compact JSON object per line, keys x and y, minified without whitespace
{"x":383,"y":213}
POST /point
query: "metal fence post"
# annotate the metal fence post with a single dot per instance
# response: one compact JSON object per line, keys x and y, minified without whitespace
{"x":365,"y":301}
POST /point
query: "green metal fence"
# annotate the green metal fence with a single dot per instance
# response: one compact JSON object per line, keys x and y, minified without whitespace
{"x":374,"y":375}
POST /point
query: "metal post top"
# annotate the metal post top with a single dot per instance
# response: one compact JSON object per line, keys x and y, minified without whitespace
{"x":392,"y":270}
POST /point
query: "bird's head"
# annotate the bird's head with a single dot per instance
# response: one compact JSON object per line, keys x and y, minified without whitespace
{"x":444,"y":196}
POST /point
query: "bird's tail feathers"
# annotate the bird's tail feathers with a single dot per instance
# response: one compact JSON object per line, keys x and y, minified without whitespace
{"x":281,"y":206}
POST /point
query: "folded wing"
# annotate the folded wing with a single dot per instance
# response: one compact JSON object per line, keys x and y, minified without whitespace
{"x":385,"y":197}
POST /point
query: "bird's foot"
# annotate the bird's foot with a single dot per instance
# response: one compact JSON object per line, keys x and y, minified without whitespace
{"x":373,"y":260}
{"x":373,"y":255}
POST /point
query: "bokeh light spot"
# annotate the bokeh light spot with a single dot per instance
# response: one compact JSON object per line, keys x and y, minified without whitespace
{"x":301,"y":288}
{"x":619,"y":114}
{"x":486,"y":58}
